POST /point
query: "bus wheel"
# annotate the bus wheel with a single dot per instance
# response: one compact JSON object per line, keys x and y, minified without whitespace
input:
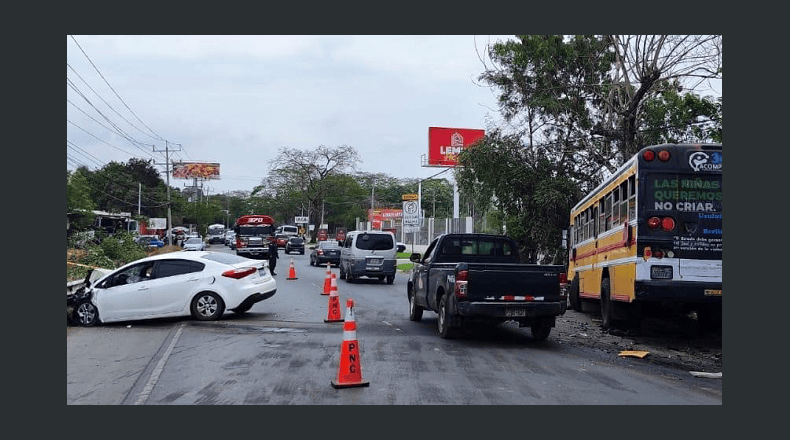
{"x":606,"y":304}
{"x":573,"y":296}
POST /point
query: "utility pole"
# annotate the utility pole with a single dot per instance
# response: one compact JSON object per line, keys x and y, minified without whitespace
{"x":167,"y":171}
{"x":372,"y":198}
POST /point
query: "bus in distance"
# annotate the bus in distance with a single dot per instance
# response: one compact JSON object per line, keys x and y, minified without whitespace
{"x":649,"y":238}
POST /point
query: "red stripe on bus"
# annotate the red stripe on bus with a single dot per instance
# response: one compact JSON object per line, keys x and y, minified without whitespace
{"x":608,"y":248}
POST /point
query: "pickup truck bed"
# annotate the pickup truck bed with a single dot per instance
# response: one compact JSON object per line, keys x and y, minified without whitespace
{"x":475,"y":286}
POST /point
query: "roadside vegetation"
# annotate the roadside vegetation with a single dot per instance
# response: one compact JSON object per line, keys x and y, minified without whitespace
{"x":85,"y":252}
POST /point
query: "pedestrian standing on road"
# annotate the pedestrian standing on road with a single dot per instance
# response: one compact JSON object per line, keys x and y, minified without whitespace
{"x":273,"y":257}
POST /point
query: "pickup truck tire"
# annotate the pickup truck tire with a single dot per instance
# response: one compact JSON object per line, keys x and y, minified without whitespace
{"x":445,"y":317}
{"x":540,"y":333}
{"x":390,"y":279}
{"x":415,"y":311}
{"x":573,"y":295}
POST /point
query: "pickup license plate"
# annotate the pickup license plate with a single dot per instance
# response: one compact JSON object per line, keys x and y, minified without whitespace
{"x":515,"y":312}
{"x":712,"y":292}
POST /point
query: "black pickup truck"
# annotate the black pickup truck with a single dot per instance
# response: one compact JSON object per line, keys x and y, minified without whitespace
{"x":479,"y":277}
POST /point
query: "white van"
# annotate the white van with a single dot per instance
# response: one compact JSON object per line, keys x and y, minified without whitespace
{"x":289,"y":230}
{"x":370,"y":254}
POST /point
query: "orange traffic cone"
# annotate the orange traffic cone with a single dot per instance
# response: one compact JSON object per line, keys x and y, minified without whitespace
{"x":333,"y":309}
{"x":327,"y":280}
{"x":349,"y":373}
{"x":291,"y":271}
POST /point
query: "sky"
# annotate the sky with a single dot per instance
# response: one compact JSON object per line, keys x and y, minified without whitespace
{"x":236,"y":100}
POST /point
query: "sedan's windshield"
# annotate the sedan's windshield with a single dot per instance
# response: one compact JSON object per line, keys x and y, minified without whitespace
{"x":193,"y":240}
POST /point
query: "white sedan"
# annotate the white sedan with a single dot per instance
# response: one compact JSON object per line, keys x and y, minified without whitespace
{"x":194,"y":244}
{"x":198,"y":284}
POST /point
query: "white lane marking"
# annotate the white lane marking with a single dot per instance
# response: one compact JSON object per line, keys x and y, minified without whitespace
{"x":158,"y":370}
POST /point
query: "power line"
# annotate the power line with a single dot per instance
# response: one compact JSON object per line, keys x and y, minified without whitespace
{"x":113,"y":90}
{"x":107,"y":103}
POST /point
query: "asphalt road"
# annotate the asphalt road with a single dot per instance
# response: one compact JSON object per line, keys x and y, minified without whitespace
{"x":282,"y":352}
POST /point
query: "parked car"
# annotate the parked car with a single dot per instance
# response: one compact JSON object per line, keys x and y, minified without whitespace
{"x":370,"y":254}
{"x":325,"y":252}
{"x":198,"y":284}
{"x":230,"y":237}
{"x":194,"y":244}
{"x":281,"y":240}
{"x":294,"y":244}
{"x":151,"y":241}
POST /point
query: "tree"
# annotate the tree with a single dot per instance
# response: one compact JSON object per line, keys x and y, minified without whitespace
{"x":529,"y":191}
{"x":303,"y":177}
{"x":78,"y":191}
{"x":576,"y":107}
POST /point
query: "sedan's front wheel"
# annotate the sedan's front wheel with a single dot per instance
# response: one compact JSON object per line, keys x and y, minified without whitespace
{"x":207,"y":306}
{"x":85,"y":314}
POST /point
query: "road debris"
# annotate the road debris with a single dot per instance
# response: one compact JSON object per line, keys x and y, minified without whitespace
{"x":634,"y":353}
{"x":704,"y":374}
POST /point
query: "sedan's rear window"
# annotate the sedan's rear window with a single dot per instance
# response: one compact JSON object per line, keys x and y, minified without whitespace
{"x":169,"y":268}
{"x":221,"y":257}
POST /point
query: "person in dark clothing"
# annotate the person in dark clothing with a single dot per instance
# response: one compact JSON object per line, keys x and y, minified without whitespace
{"x":273,"y":256}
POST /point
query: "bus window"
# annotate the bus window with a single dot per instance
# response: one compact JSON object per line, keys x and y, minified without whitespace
{"x":632,"y":197}
{"x":615,"y":207}
{"x":624,"y":201}
{"x":608,"y":208}
{"x":601,"y":217}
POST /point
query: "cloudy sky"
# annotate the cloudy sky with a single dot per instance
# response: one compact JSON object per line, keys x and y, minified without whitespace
{"x":236,"y":100}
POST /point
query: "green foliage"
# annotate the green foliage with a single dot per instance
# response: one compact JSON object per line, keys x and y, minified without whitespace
{"x":109,"y":252}
{"x":78,"y":193}
{"x":672,"y":117}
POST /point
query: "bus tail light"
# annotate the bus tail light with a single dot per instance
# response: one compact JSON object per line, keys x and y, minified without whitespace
{"x":649,"y":155}
{"x":647,"y":253}
{"x":666,"y":223}
{"x":653,"y":222}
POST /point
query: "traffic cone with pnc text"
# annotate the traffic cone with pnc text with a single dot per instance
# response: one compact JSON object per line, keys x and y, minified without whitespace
{"x":349,"y":373}
{"x":327,"y":280}
{"x":333,"y":309}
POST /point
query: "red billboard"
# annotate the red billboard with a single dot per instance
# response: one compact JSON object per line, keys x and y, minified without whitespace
{"x":200,"y":170}
{"x":444,"y":144}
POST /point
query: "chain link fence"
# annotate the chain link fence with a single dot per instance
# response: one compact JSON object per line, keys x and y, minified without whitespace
{"x":432,"y":228}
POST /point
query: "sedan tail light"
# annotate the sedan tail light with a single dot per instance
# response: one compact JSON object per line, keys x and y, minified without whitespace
{"x":239,"y":273}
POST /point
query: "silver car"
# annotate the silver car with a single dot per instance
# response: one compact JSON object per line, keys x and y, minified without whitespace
{"x":194,"y":244}
{"x":370,"y":254}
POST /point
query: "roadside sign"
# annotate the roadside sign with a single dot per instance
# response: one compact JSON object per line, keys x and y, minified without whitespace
{"x":411,"y":213}
{"x":408,"y":197}
{"x":300,"y":219}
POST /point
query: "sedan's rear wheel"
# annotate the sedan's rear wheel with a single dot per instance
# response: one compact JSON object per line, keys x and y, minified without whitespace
{"x":207,"y":306}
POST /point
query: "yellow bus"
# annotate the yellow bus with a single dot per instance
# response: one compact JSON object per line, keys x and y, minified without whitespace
{"x":649,"y":238}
